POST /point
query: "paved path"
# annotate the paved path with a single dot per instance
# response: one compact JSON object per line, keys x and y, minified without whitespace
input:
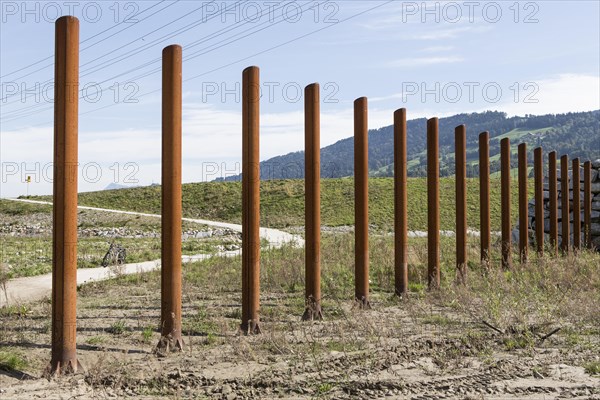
{"x":22,"y":290}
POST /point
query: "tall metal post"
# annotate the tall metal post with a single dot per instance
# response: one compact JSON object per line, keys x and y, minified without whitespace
{"x":564,"y":193}
{"x":460,"y":142}
{"x":523,"y":206}
{"x":250,"y":201}
{"x":587,"y":204}
{"x":170,"y":321}
{"x":553,"y":186}
{"x":312,"y":216}
{"x":505,"y":202}
{"x":64,"y":220}
{"x":538,"y":172}
{"x":576,"y":206}
{"x":361,"y":202}
{"x":400,"y":205}
{"x":484,"y":197}
{"x":433,"y":205}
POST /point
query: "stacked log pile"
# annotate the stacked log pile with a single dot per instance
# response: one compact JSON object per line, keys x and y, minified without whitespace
{"x":595,"y":217}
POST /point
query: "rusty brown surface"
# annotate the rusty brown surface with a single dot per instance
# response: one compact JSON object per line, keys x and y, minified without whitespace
{"x":587,"y":204}
{"x":538,"y":174}
{"x":564,"y":187}
{"x":433,"y":205}
{"x":523,"y":206}
{"x":553,"y":204}
{"x":170,"y":320}
{"x":64,"y":232}
{"x":576,"y":205}
{"x":250,"y":201}
{"x":505,"y":203}
{"x":312,"y":211}
{"x":484,"y":197}
{"x":400,"y":205}
{"x":361,"y":202}
{"x":460,"y":141}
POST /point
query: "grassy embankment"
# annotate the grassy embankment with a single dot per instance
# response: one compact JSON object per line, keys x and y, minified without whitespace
{"x":282,"y":202}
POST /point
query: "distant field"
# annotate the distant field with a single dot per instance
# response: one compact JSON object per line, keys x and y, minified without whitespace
{"x":26,"y":238}
{"x":282,"y":202}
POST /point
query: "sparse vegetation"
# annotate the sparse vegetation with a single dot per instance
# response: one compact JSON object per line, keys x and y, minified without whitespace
{"x":432,"y":336}
{"x":147,"y":334}
{"x":592,"y":368}
{"x":12,"y":361}
{"x":118,"y":328}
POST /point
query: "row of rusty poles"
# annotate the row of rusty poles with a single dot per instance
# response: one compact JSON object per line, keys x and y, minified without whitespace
{"x":64,"y":248}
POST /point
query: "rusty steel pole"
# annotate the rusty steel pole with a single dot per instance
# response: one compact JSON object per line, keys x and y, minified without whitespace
{"x":484,"y":197}
{"x":523,"y":206}
{"x":64,"y":221}
{"x":170,"y":319}
{"x":553,"y":186}
{"x":433,"y":205}
{"x":538,"y":172}
{"x":587,"y":204}
{"x":460,"y":142}
{"x":361,"y":202}
{"x":400,"y":205}
{"x":505,"y":202}
{"x":250,"y":201}
{"x":564,"y":188}
{"x":576,"y":206}
{"x":312,"y":211}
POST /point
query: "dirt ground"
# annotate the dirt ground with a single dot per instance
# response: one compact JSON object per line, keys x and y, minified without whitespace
{"x":416,"y":349}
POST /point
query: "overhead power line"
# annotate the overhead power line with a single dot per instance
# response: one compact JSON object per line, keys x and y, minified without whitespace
{"x":90,"y":38}
{"x":236,"y":61}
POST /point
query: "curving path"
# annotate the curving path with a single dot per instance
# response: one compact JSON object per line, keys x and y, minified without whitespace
{"x":23,"y":290}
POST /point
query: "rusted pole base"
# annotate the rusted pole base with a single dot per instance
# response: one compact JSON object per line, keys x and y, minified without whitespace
{"x":362,"y":303}
{"x":252,"y":327}
{"x":168,"y":344}
{"x":403,"y":291}
{"x":461,"y":274}
{"x":55,"y":369}
{"x":312,"y":311}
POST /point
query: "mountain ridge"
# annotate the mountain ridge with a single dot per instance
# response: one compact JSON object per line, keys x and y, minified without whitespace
{"x":573,"y":133}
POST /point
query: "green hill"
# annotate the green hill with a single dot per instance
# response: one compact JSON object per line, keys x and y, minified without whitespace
{"x":282,"y":202}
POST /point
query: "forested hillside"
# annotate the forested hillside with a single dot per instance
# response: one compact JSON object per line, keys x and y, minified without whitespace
{"x":575,"y":134}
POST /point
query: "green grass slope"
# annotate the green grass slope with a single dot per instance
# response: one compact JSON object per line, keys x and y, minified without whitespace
{"x":282,"y":202}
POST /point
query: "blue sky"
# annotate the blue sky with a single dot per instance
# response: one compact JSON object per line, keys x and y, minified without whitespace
{"x":434,"y":58}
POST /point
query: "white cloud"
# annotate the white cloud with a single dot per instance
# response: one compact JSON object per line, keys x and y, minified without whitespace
{"x":423,"y":61}
{"x":436,"y":49}
{"x":556,"y":94}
